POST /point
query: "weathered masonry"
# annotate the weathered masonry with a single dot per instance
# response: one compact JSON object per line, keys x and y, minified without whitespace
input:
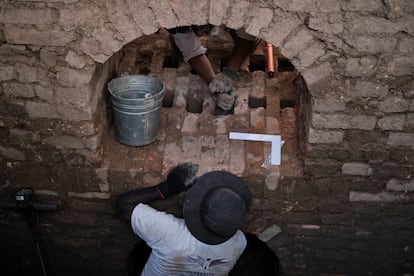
{"x":342,"y":99}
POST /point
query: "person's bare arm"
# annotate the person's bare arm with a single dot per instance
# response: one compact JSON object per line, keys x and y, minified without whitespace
{"x":178,"y":179}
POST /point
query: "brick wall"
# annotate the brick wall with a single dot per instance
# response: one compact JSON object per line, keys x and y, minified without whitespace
{"x":351,"y":211}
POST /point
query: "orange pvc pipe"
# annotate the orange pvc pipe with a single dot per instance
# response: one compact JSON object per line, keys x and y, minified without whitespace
{"x":270,"y":61}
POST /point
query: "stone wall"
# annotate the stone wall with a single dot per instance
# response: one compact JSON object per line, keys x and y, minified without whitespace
{"x":350,"y":214}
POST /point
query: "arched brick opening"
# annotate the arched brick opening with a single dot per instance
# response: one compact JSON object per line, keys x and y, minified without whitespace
{"x":301,"y":45}
{"x":188,"y":117}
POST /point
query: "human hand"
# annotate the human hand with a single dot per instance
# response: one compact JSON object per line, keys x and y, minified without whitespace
{"x":179,"y":178}
{"x":223,"y":82}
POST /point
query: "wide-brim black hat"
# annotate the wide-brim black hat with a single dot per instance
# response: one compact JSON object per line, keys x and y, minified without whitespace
{"x":215,"y":206}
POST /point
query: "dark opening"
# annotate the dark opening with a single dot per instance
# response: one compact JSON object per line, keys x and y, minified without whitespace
{"x":255,"y":102}
{"x":287,"y":103}
{"x":194,"y":101}
{"x":143,"y":62}
{"x":171,"y":62}
{"x":257,"y":63}
{"x":284,"y":65}
{"x":218,"y":111}
{"x":168,"y":98}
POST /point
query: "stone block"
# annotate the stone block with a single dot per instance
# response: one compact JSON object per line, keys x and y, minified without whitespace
{"x":369,"y":89}
{"x":327,"y":23}
{"x":68,"y":77}
{"x":394,"y":105}
{"x":12,"y":154}
{"x":409,"y":123}
{"x":108,"y":39}
{"x":319,"y":167}
{"x":401,"y":139}
{"x":93,"y":142}
{"x":75,"y":60}
{"x":222,"y":150}
{"x":93,"y":49}
{"x":15,"y":35}
{"x":374,"y":25}
{"x":325,"y":137}
{"x":272,"y":125}
{"x":257,"y":119}
{"x":395,"y":122}
{"x":237,"y":161}
{"x":90,"y":195}
{"x":70,"y":142}
{"x":190,"y":147}
{"x":44,"y":93}
{"x":74,"y":114}
{"x":310,"y":55}
{"x":372,"y":44}
{"x":27,"y":73}
{"x":316,"y":74}
{"x":297,"y":5}
{"x":122,"y":22}
{"x":357,"y":168}
{"x":236,"y":14}
{"x":7,"y":73}
{"x":295,"y":44}
{"x":190,"y":124}
{"x":360,"y":67}
{"x":145,"y":18}
{"x":221,"y":126}
{"x":355,"y":196}
{"x":400,"y":66}
{"x":260,"y":20}
{"x":242,"y":101}
{"x":344,"y":121}
{"x":269,"y":233}
{"x":407,"y":45}
{"x":18,"y":90}
{"x":153,"y":162}
{"x":78,"y":97}
{"x":328,"y":6}
{"x":45,"y":16}
{"x":361,"y":6}
{"x":70,"y":19}
{"x":328,"y":104}
{"x":258,"y":85}
{"x":272,"y":102}
{"x":281,"y":26}
{"x":218,"y":11}
{"x":41,"y":110}
{"x":398,"y":185}
{"x":272,"y":180}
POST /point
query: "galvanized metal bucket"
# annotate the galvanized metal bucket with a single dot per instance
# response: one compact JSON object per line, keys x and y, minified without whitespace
{"x":136,"y":102}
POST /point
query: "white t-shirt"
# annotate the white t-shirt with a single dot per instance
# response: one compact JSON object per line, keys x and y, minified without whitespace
{"x":176,"y":252}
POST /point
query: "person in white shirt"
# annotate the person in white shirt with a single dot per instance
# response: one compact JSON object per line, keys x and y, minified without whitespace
{"x":207,"y":241}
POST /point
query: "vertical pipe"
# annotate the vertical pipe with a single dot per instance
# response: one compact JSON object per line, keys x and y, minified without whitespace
{"x":270,"y":61}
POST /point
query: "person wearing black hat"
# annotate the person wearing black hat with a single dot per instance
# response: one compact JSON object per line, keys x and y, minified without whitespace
{"x":207,"y":241}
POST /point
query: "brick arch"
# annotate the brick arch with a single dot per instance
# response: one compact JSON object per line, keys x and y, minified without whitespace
{"x":285,"y":29}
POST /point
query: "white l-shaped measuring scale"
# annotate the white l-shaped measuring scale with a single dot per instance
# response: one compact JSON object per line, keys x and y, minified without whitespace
{"x":276,"y":141}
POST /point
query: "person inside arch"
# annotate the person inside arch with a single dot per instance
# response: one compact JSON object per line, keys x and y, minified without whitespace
{"x":194,"y":53}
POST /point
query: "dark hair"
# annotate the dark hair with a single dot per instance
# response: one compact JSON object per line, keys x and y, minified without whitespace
{"x":257,"y":259}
